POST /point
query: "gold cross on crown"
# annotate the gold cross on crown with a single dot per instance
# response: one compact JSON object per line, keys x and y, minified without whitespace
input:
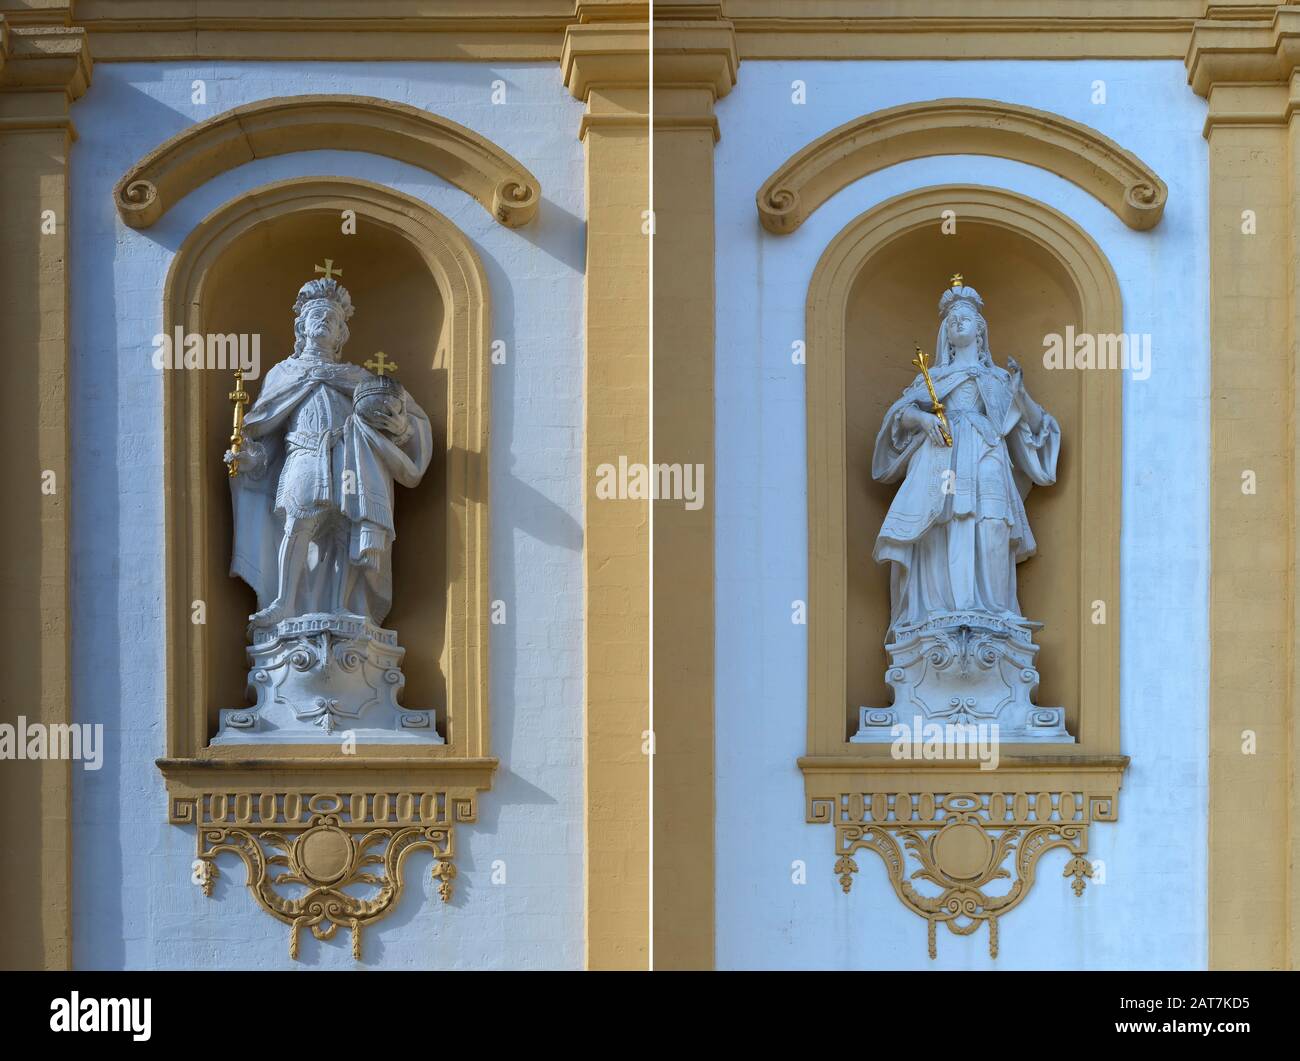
{"x":380,"y":366}
{"x":957,"y":280}
{"x":329,"y":270}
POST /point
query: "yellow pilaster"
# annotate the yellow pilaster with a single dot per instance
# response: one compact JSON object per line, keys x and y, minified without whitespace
{"x":695,"y":64}
{"x":43,"y":68}
{"x":606,"y":64}
{"x":1246,"y":68}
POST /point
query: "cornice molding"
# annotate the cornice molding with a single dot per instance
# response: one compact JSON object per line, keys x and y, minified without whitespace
{"x":153,"y":30}
{"x":44,"y":58}
{"x":972,"y":10}
{"x":188,"y":776}
{"x":696,"y":52}
{"x":1028,"y":771}
{"x":611,"y":10}
{"x":1243,"y":52}
{"x":501,"y":183}
{"x":605,"y":55}
{"x":975,"y":29}
{"x":969,"y":29}
{"x":37,"y":12}
{"x":534,"y":30}
{"x":1059,"y":37}
{"x":1080,"y":154}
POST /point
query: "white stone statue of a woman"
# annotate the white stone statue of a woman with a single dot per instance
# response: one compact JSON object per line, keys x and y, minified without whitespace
{"x":960,"y":650}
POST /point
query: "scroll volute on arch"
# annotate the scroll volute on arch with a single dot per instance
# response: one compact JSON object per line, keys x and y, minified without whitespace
{"x":504,"y":187}
{"x":1076,"y":152}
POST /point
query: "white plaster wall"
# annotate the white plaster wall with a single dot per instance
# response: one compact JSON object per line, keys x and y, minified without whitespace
{"x":1151,"y":911}
{"x":134,"y":905}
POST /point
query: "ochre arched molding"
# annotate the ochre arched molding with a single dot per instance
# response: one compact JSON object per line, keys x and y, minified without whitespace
{"x":255,"y":802}
{"x":1039,"y":797}
{"x":283,"y":125}
{"x":1080,"y":154}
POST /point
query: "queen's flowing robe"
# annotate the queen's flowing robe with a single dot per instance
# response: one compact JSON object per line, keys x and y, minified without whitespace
{"x":353,"y":452}
{"x":957,"y":527}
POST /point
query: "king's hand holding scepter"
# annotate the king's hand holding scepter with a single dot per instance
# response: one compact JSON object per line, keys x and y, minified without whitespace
{"x":240,"y":398}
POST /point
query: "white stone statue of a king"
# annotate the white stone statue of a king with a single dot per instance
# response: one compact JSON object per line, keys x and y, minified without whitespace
{"x":312,"y":488}
{"x":968,"y":442}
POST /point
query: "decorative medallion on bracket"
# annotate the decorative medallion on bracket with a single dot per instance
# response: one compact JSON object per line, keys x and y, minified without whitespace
{"x":973,"y":855}
{"x":324,"y":846}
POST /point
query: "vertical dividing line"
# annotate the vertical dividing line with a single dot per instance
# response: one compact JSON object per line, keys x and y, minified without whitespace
{"x":650,"y":626}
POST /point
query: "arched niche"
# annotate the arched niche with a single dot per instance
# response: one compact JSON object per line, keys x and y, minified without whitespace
{"x":422,"y":299}
{"x":874,"y":293}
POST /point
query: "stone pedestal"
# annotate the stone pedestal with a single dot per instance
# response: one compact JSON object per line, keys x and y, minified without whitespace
{"x":316,"y":677}
{"x":964,"y":670}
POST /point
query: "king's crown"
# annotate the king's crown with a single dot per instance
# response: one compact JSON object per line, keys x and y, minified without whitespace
{"x":324,"y":290}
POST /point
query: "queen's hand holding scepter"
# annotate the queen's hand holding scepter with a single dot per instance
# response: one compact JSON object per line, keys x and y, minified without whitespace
{"x":935,"y":404}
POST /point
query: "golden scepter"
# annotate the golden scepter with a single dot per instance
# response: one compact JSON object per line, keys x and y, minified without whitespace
{"x":919,"y":362}
{"x":240,"y":397}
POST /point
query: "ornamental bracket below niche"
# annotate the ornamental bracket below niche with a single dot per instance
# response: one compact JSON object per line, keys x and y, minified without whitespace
{"x":964,"y":853}
{"x":324,"y":859}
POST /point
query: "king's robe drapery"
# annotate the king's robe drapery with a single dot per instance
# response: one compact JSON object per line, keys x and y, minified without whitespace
{"x":358,"y":455}
{"x":957,"y":526}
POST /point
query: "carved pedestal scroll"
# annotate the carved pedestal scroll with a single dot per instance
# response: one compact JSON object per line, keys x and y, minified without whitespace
{"x":966,"y":670}
{"x":318,"y":674}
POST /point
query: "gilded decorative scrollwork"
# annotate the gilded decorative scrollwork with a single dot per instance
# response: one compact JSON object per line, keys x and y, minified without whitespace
{"x":962,"y":846}
{"x":322,"y":845}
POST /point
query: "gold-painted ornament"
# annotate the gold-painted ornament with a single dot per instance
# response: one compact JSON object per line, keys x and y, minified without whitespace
{"x":936,"y":405}
{"x":240,"y":397}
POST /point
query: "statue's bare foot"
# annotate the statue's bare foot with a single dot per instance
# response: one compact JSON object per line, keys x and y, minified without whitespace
{"x":268,"y":616}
